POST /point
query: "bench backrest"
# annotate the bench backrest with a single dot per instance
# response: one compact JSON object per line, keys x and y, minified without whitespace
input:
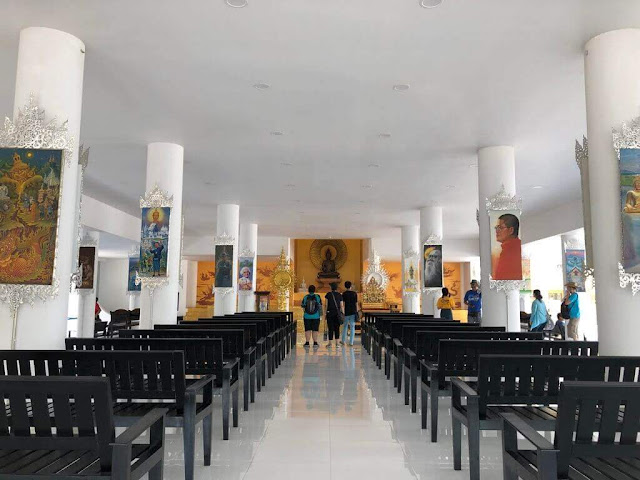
{"x":132,"y":374}
{"x":201,"y":356}
{"x":428,"y":341}
{"x":262,"y":327}
{"x":408,"y":331}
{"x":272,"y":324}
{"x":459,"y":358}
{"x":250,"y":333}
{"x":536,"y":380}
{"x":385,"y":325}
{"x":579,"y":405}
{"x":49,"y":401}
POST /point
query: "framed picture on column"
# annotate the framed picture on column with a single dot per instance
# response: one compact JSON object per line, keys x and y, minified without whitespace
{"x":574,"y":268}
{"x":134,"y":267}
{"x":630,"y":208}
{"x":432,"y":266}
{"x":30,"y":186}
{"x":154,"y":241}
{"x":224,"y":266}
{"x":245,"y":274}
{"x":86,"y":260}
{"x":506,"y":246}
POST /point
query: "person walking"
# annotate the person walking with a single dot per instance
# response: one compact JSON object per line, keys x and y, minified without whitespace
{"x":335,"y":310}
{"x":538,"y":319}
{"x":445,"y":305}
{"x":350,"y":299}
{"x":473,"y":301}
{"x":312,"y":307}
{"x":573,"y":305}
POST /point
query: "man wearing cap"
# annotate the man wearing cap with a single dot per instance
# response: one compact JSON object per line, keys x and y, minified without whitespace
{"x":473,"y":301}
{"x":571,"y":301}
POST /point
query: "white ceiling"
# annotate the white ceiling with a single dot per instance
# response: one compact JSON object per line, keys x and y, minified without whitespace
{"x":482,"y":72}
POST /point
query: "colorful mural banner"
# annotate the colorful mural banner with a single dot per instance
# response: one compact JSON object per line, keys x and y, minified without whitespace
{"x":224,"y":266}
{"x":86,"y":260}
{"x":30,"y":182}
{"x":245,"y":274}
{"x":432,"y":266}
{"x":574,"y":268}
{"x":506,"y":246}
{"x":154,"y":241}
{"x":411,"y":275}
{"x":630,"y":208}
{"x":206,"y":276}
{"x":134,"y":266}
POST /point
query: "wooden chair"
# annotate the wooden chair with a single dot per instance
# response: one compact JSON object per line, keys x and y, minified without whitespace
{"x":63,"y":427}
{"x":576,"y":452}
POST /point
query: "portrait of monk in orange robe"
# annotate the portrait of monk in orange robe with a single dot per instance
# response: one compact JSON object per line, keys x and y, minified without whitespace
{"x":508,"y":264}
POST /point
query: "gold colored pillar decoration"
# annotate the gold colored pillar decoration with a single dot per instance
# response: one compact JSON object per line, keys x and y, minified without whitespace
{"x":283,"y":280}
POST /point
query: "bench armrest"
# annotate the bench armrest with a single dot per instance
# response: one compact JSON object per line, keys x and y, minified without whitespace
{"x":250,"y":356}
{"x":196,"y":387}
{"x":527,"y":431}
{"x":145,"y":423}
{"x":463,"y":387}
{"x":409,"y":357}
{"x":231,"y":370}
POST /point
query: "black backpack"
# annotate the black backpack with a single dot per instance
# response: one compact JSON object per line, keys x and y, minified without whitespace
{"x":311,"y":305}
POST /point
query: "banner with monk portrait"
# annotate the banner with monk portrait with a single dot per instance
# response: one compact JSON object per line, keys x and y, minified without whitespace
{"x":630,"y":208}
{"x":506,"y":246}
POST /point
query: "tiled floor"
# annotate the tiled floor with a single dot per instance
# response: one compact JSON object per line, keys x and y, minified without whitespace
{"x":331,"y":414}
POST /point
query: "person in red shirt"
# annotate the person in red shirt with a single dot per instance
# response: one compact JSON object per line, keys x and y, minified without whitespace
{"x":509,"y":263}
{"x":97,"y":310}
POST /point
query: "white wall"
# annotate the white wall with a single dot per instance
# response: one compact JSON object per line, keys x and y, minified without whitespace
{"x":105,"y":218}
{"x":112,"y":283}
{"x":555,"y":221}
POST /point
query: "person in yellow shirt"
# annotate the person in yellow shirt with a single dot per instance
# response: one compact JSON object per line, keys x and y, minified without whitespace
{"x":445,"y":305}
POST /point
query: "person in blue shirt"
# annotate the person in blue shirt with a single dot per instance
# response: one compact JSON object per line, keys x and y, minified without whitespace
{"x":571,"y":300}
{"x":312,"y":307}
{"x":538,"y":318}
{"x":473,"y":301}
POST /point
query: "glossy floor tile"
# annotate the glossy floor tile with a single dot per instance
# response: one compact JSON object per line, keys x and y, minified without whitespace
{"x":331,"y":414}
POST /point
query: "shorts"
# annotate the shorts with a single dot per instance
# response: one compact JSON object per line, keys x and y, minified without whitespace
{"x":311,"y":324}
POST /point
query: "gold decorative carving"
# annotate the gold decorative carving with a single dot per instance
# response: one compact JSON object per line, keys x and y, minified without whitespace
{"x":373,"y":292}
{"x":338,"y":252}
{"x":283,"y":280}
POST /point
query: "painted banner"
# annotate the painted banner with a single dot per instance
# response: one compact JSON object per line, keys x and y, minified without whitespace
{"x":574,"y":268}
{"x":86,"y":260}
{"x":154,"y":241}
{"x":245,"y":273}
{"x":506,"y":246}
{"x":432,"y":266}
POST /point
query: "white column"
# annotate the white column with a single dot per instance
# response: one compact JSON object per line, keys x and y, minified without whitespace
{"x":612,"y":77}
{"x":496,"y":167}
{"x":411,"y":242}
{"x":51,"y":67}
{"x":248,"y":243}
{"x":86,"y":297}
{"x":182,"y":303}
{"x":192,"y":284}
{"x":430,"y":224}
{"x":165,"y":163}
{"x":228,"y":220}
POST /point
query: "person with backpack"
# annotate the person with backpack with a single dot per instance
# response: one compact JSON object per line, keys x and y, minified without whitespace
{"x":335,"y":313}
{"x":312,"y":306}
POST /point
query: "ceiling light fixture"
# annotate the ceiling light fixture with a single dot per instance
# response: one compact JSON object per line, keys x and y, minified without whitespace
{"x":537,"y":187}
{"x":261,"y":86}
{"x":236,"y":3}
{"x":290,"y":185}
{"x":374,"y":165}
{"x":450,"y":187}
{"x":430,"y":3}
{"x":277,"y":134}
{"x":401,"y":87}
{"x":473,"y":165}
{"x":384,"y":135}
{"x":285,"y":164}
{"x":367,"y":186}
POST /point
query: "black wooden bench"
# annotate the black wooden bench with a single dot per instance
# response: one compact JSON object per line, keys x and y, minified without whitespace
{"x":575,"y":454}
{"x":201,"y":357}
{"x":524,"y":385}
{"x":427,"y":349}
{"x":63,"y":427}
{"x":288,"y":324}
{"x":140,"y":382}
{"x":459,"y":358}
{"x":249,"y":364}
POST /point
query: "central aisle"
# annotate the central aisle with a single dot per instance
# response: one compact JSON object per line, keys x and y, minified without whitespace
{"x":330,"y":414}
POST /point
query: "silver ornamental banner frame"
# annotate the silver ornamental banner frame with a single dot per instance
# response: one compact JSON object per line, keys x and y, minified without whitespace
{"x":627,"y":136}
{"x":246,"y":252}
{"x":431,"y":239}
{"x":155,"y":198}
{"x":408,"y":255}
{"x":32,"y":131}
{"x":500,"y":202}
{"x":375,"y":268}
{"x":83,"y":162}
{"x":582,"y":160}
{"x":224,"y":239}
